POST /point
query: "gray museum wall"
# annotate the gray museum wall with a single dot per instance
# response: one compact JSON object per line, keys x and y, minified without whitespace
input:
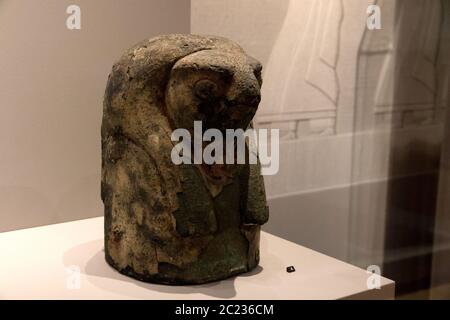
{"x":52,"y":83}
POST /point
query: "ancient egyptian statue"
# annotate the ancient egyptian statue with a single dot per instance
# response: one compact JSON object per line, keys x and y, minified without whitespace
{"x":179,"y":223}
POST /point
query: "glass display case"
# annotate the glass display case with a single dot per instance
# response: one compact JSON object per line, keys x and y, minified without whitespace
{"x":354,"y":95}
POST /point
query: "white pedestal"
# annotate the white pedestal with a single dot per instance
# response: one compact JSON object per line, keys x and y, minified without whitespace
{"x":41,"y":263}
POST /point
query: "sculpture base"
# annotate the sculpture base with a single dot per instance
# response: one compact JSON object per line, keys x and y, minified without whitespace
{"x":228,"y":253}
{"x":175,"y":281}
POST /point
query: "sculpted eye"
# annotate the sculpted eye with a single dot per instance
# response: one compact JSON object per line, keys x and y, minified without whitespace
{"x":258,"y":76}
{"x":257,"y":68}
{"x":206,"y":89}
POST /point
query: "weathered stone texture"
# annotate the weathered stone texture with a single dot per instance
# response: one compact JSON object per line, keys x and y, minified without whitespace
{"x":179,"y":224}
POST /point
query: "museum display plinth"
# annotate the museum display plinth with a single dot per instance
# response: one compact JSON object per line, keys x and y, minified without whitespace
{"x":42,"y":263}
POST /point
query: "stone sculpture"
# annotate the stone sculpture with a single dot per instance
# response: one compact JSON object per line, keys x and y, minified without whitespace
{"x":187,"y":223}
